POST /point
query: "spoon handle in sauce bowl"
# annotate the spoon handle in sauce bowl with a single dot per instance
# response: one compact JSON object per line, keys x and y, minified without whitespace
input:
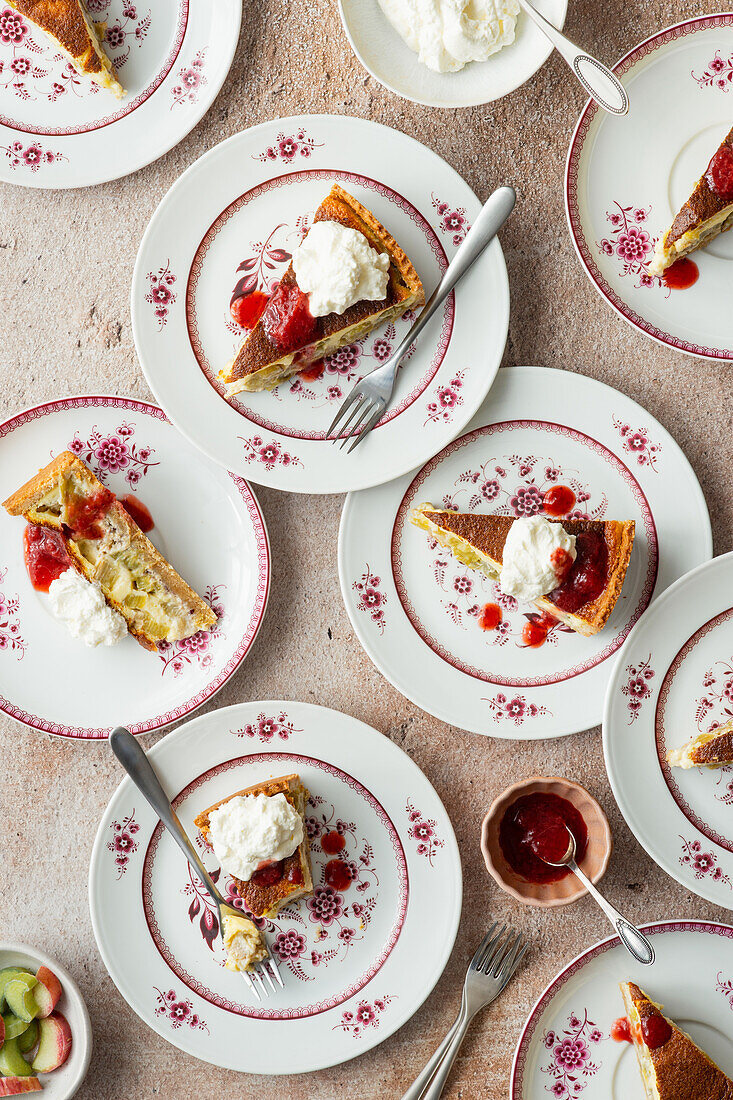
{"x":633,"y":940}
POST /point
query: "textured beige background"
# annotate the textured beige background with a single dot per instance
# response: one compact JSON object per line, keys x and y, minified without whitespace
{"x":65,"y":266}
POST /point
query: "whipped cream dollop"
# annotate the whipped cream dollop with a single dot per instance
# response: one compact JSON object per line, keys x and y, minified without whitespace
{"x":252,"y":829}
{"x":82,"y":608}
{"x":337,"y":267}
{"x":535,"y":557}
{"x":448,"y":34}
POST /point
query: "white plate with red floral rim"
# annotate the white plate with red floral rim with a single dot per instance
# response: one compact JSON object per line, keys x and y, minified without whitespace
{"x":674,"y":679}
{"x":207,"y":523}
{"x":626,"y":178}
{"x":228,"y":227}
{"x":566,"y":1047}
{"x":356,"y":964}
{"x":417,"y":611}
{"x":59,"y":129}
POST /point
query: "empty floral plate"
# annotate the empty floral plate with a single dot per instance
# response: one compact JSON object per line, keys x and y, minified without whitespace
{"x":228,"y":228}
{"x":627,"y":177}
{"x":673,"y":680}
{"x":566,"y":1050}
{"x":59,"y":129}
{"x":207,"y":523}
{"x":356,"y":962}
{"x":419,"y":613}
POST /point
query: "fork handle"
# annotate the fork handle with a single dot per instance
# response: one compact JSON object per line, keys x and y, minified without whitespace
{"x":423,"y":1079}
{"x":135,"y":762}
{"x":436,"y":1086}
{"x":492,"y":216}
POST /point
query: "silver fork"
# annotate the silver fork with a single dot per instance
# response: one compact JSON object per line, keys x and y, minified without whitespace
{"x":369,"y":398}
{"x":133,"y":759}
{"x":491,"y":968}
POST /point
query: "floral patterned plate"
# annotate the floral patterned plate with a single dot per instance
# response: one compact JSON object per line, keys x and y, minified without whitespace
{"x":356,"y":963}
{"x":627,"y":177}
{"x":207,"y":523}
{"x":674,"y":679}
{"x":418,"y":612}
{"x":228,"y":228}
{"x":566,"y":1051}
{"x":59,"y":129}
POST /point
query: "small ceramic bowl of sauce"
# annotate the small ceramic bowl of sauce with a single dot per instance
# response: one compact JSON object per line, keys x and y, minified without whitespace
{"x":528,"y":821}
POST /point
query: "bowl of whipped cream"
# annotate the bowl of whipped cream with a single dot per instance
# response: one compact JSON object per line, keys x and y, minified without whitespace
{"x":449,"y":53}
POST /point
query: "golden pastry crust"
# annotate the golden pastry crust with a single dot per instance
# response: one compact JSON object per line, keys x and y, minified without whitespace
{"x":260,"y":364}
{"x":42,"y":501}
{"x":264,"y":901}
{"x":711,"y":749}
{"x":67,"y":23}
{"x":487,"y":535}
{"x":678,"y":1069}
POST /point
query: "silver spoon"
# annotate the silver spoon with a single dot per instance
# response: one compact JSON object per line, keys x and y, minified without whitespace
{"x":633,"y":940}
{"x":598,"y":81}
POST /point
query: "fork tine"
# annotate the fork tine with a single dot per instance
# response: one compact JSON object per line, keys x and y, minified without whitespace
{"x":504,"y":964}
{"x":515,"y":964}
{"x":500,"y":956}
{"x":270,"y":962}
{"x":365,"y":408}
{"x":354,"y":405}
{"x":483,"y":945}
{"x":253,"y":988}
{"x":490,"y":949}
{"x":264,"y":972}
{"x":344,"y":408}
{"x":257,"y":977}
{"x":371,"y":423}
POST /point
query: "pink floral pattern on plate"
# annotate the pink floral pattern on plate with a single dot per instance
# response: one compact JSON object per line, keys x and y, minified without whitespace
{"x":572,"y":1063}
{"x":29,"y":156}
{"x":190,"y":80}
{"x":636,"y":442}
{"x":339,"y":923}
{"x":719,"y":73}
{"x":703,"y":864}
{"x":448,"y":399}
{"x":287,"y":147}
{"x":196,"y":649}
{"x":11,"y":639}
{"x":516,"y":709}
{"x":267,"y":727}
{"x":453,"y":220}
{"x":631,"y":243}
{"x":113,"y":453}
{"x":123,"y":843}
{"x":366,"y":1014}
{"x":724,"y":986}
{"x":160,"y":295}
{"x":422,"y":830}
{"x":370,"y":598}
{"x":177,"y":1010}
{"x":637,"y":687}
{"x":712,"y":709}
{"x":269,"y":453}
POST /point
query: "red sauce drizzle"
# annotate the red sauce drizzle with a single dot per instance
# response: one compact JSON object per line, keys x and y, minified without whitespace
{"x":287,"y":320}
{"x":681,"y":275}
{"x":337,"y":875}
{"x":45,"y":556}
{"x":559,"y":500}
{"x":332,"y":843}
{"x":138,"y":512}
{"x":294,"y":874}
{"x":621,"y":1030}
{"x":84,"y":513}
{"x":247,"y":309}
{"x":312,"y":372}
{"x":490,"y":616}
{"x":588,"y":575}
{"x":534,"y":826}
{"x":655,"y":1031}
{"x":536,"y":629}
{"x":268,"y":873}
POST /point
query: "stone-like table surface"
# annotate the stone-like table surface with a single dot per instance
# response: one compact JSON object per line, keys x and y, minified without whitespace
{"x":66,"y":260}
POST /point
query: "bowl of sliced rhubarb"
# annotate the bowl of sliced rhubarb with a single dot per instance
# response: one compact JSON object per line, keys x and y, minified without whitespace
{"x":45,"y":1033}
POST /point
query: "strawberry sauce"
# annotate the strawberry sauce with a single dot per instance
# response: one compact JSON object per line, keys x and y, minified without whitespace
{"x":138,"y":512}
{"x":621,"y":1030}
{"x":655,"y":1031}
{"x":533,"y":828}
{"x":681,"y":275}
{"x":287,"y":320}
{"x":333,"y":843}
{"x":337,"y":875}
{"x":247,"y":309}
{"x":559,"y":500}
{"x":490,"y":616}
{"x":588,"y":575}
{"x":45,"y":556}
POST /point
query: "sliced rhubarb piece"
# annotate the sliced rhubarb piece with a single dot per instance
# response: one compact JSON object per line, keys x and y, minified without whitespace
{"x":54,"y":1043}
{"x":12,"y":1062}
{"x":29,"y":1038}
{"x":20,"y":999}
{"x":14,"y":1086}
{"x":13,"y":1027}
{"x":47,"y":992}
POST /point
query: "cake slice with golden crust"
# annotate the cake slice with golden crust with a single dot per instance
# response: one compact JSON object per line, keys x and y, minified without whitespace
{"x":294,"y":880}
{"x":260,"y":364}
{"x":705,"y":215}
{"x":672,"y":1066}
{"x":108,"y":548}
{"x":707,"y":750}
{"x":477,"y":540}
{"x":67,"y":23}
